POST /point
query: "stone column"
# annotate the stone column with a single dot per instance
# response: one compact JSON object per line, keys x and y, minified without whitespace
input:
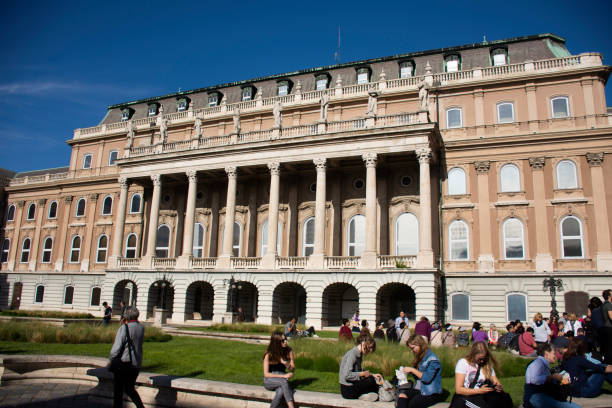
{"x":188,"y":224}
{"x":40,"y":211}
{"x":87,"y":239}
{"x":604,"y":253}
{"x":214,"y":224}
{"x":316,"y":259}
{"x":119,"y":223}
{"x":589,"y":101}
{"x":63,"y":230}
{"x":252,"y":223}
{"x":532,"y":106}
{"x":485,"y":257}
{"x":544,"y":261}
{"x":425,"y":258}
{"x":368,"y":259}
{"x":292,"y":232}
{"x":230,"y":211}
{"x":271,"y":253}
{"x":15,"y":244}
{"x":153,"y":220}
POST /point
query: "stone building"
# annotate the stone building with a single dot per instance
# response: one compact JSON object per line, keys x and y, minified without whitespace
{"x":448,"y":183}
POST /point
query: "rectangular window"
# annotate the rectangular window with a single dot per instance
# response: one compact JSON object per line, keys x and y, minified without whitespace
{"x":406,"y":70}
{"x":452,"y":65}
{"x":213,"y":100}
{"x":321,"y":84}
{"x":125,"y":115}
{"x":283,"y":90}
{"x":152,"y":110}
{"x":362,"y":78}
{"x":112,"y":157}
{"x":560,"y":107}
{"x":247,"y":94}
{"x":460,"y":306}
{"x":87,"y":161}
{"x":499,"y":59}
{"x":40,"y":294}
{"x":453,"y":118}
{"x":181,"y":106}
{"x":505,"y":113}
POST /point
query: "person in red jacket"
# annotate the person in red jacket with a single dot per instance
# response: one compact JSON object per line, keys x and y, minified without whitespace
{"x":345,"y":331}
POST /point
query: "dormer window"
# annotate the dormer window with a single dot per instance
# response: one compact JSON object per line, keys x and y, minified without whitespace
{"x":363,"y":75}
{"x":321,"y":82}
{"x":152,"y":109}
{"x":182,"y":104}
{"x":452,"y":63}
{"x":126,"y":113}
{"x":213,"y":99}
{"x":284,"y":87}
{"x":499,"y":56}
{"x":247,"y":93}
{"x":406,"y":69}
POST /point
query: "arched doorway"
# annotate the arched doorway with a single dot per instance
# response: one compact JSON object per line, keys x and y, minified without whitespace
{"x":199,"y":301}
{"x":340,"y":300}
{"x":393,"y":298}
{"x":243,"y":295}
{"x":289,"y":300}
{"x":127,"y":291}
{"x":161,"y":295}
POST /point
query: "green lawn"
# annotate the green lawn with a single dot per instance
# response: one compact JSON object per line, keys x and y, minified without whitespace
{"x":251,"y":328}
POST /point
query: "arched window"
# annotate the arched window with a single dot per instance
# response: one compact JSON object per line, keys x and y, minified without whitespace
{"x":456,"y":181}
{"x":264,"y":237}
{"x":47,"y":249}
{"x":25,"y":250}
{"x":406,"y":234}
{"x":559,"y":107}
{"x":162,"y":246}
{"x":516,"y":306}
{"x":356,"y":235}
{"x":10,"y":213}
{"x":31,"y":211}
{"x":237,"y":238}
{"x":308,"y":237}
{"x":75,"y":249}
{"x":96,"y":294}
{"x":571,"y":237}
{"x":510,"y":178}
{"x":6,"y":246}
{"x":52,"y":210}
{"x":505,"y":112}
{"x":198,"y":240}
{"x":566,"y":175}
{"x":102,"y":249}
{"x":107,"y":205}
{"x":514,"y":246}
{"x":454,"y":118}
{"x":460,"y":307}
{"x":112,"y":157}
{"x":80,"y":208}
{"x":130,"y":246}
{"x":135,"y":204}
{"x":68,"y":295}
{"x":458,"y":241}
{"x":39,"y":294}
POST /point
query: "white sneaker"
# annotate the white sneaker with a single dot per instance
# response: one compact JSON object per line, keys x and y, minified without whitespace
{"x":370,"y":396}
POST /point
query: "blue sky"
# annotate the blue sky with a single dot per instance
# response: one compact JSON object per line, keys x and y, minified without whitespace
{"x":63,"y":62}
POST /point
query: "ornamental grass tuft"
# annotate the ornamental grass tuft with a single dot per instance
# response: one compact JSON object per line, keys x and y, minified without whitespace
{"x":46,"y":314}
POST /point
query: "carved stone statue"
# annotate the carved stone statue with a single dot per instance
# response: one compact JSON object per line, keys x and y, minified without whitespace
{"x":163,"y":130}
{"x":236,"y":118}
{"x":324,"y":106}
{"x":161,"y":110}
{"x":372,"y":104}
{"x":423,"y":96}
{"x":277,"y":114}
{"x":130,"y":133}
{"x":198,"y":128}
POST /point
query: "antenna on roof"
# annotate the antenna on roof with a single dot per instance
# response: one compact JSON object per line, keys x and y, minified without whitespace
{"x":484,"y":39}
{"x":180,"y":90}
{"x":337,"y":53}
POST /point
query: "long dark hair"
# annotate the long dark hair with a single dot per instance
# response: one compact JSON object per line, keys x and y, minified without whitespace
{"x":575,"y":348}
{"x":275,"y":350}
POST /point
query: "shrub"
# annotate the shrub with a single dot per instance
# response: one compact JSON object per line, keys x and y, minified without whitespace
{"x":326,"y":364}
{"x":47,"y":314}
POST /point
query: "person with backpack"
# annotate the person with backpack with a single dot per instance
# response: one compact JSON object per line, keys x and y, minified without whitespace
{"x":448,"y":338}
{"x":527,"y":344}
{"x":506,"y":338}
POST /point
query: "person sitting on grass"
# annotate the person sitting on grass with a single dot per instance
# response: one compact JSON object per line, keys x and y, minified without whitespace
{"x":365,"y":327}
{"x":436,"y":335}
{"x":427,"y":370}
{"x":541,"y":331}
{"x":493,"y":336}
{"x":277,"y":360}
{"x":404,"y":333}
{"x":354,"y":381}
{"x":478,"y":333}
{"x":423,"y":328}
{"x":392,"y":332}
{"x":448,"y":338}
{"x":538,"y":377}
{"x":379,"y":333}
{"x":527,"y":344}
{"x":587,"y":377}
{"x":345,"y":331}
{"x":476,"y":383}
{"x":291,"y":328}
{"x":463,"y":339}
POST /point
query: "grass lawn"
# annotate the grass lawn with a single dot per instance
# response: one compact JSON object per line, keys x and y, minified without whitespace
{"x":252,"y":328}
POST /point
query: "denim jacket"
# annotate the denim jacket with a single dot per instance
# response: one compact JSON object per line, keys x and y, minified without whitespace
{"x":431,"y":381}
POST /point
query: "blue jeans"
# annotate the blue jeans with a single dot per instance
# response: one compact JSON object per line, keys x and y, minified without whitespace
{"x":592,"y":388}
{"x":542,"y":400}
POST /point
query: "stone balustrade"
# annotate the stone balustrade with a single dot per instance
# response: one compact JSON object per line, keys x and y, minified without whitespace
{"x":245,"y":262}
{"x":341,"y":262}
{"x":203,"y":263}
{"x":128,"y":262}
{"x":391,"y":261}
{"x":291,"y":262}
{"x":164,"y":263}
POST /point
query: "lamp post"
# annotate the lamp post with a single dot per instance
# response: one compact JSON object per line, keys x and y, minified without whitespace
{"x":162,"y":285}
{"x":234,"y":288}
{"x":553,"y":285}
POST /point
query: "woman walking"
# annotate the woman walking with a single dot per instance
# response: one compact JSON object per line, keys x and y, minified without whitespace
{"x":278,"y":359}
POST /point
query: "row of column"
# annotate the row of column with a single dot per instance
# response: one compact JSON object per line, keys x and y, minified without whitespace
{"x":316,"y":259}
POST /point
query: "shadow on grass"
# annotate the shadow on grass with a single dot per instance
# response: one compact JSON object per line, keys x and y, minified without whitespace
{"x":302,"y":382}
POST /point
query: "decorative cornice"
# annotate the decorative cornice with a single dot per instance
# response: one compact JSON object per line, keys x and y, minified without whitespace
{"x":595,"y":159}
{"x":274,"y":168}
{"x":482,"y":167}
{"x":537,"y":162}
{"x":370,"y":159}
{"x":319,"y":163}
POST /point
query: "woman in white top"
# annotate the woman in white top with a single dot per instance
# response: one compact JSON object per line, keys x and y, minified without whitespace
{"x":572,"y":324}
{"x":541,"y":331}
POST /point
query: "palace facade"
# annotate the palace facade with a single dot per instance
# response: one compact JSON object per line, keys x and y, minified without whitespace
{"x":448,"y":183}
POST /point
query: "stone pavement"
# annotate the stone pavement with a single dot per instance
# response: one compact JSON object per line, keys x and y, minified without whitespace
{"x":46,"y":395}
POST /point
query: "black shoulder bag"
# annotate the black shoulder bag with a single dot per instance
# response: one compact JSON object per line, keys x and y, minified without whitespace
{"x":116,"y":364}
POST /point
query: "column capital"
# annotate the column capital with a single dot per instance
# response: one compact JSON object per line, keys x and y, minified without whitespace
{"x":94,"y":197}
{"x":423,"y":154}
{"x":21,"y":203}
{"x":370,"y":159}
{"x":42,"y":201}
{"x":123,"y":182}
{"x":156,"y":178}
{"x":595,"y":159}
{"x":232,"y":171}
{"x":274,"y":168}
{"x":192,"y":175}
{"x":68,"y":199}
{"x":537,"y":163}
{"x":482,"y":167}
{"x":319,"y":163}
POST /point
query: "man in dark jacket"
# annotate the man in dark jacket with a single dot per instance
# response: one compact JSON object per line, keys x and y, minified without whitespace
{"x":391,"y":332}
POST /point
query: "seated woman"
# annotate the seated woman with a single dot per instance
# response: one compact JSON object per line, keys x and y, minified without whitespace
{"x":538,"y":376}
{"x":448,"y":338}
{"x":476,"y":384}
{"x":354,"y":381}
{"x":345,"y":331}
{"x":436,"y":335}
{"x":587,"y":377}
{"x":527,"y":344}
{"x":427,"y":370}
{"x":278,"y":359}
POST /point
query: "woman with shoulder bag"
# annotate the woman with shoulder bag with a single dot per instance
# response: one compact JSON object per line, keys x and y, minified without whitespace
{"x":427,"y":370}
{"x":126,"y":358}
{"x":476,"y":383}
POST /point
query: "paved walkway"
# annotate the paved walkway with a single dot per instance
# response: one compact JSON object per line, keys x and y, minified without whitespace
{"x":46,"y":395}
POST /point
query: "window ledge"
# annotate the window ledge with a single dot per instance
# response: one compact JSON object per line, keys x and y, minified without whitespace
{"x":77,"y":224}
{"x":569,"y":200}
{"x":509,"y":203}
{"x":104,"y":223}
{"x":458,"y":205}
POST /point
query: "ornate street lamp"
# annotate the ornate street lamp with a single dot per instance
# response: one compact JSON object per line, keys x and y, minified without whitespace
{"x":553,"y":285}
{"x":234,"y":288}
{"x":162,"y":287}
